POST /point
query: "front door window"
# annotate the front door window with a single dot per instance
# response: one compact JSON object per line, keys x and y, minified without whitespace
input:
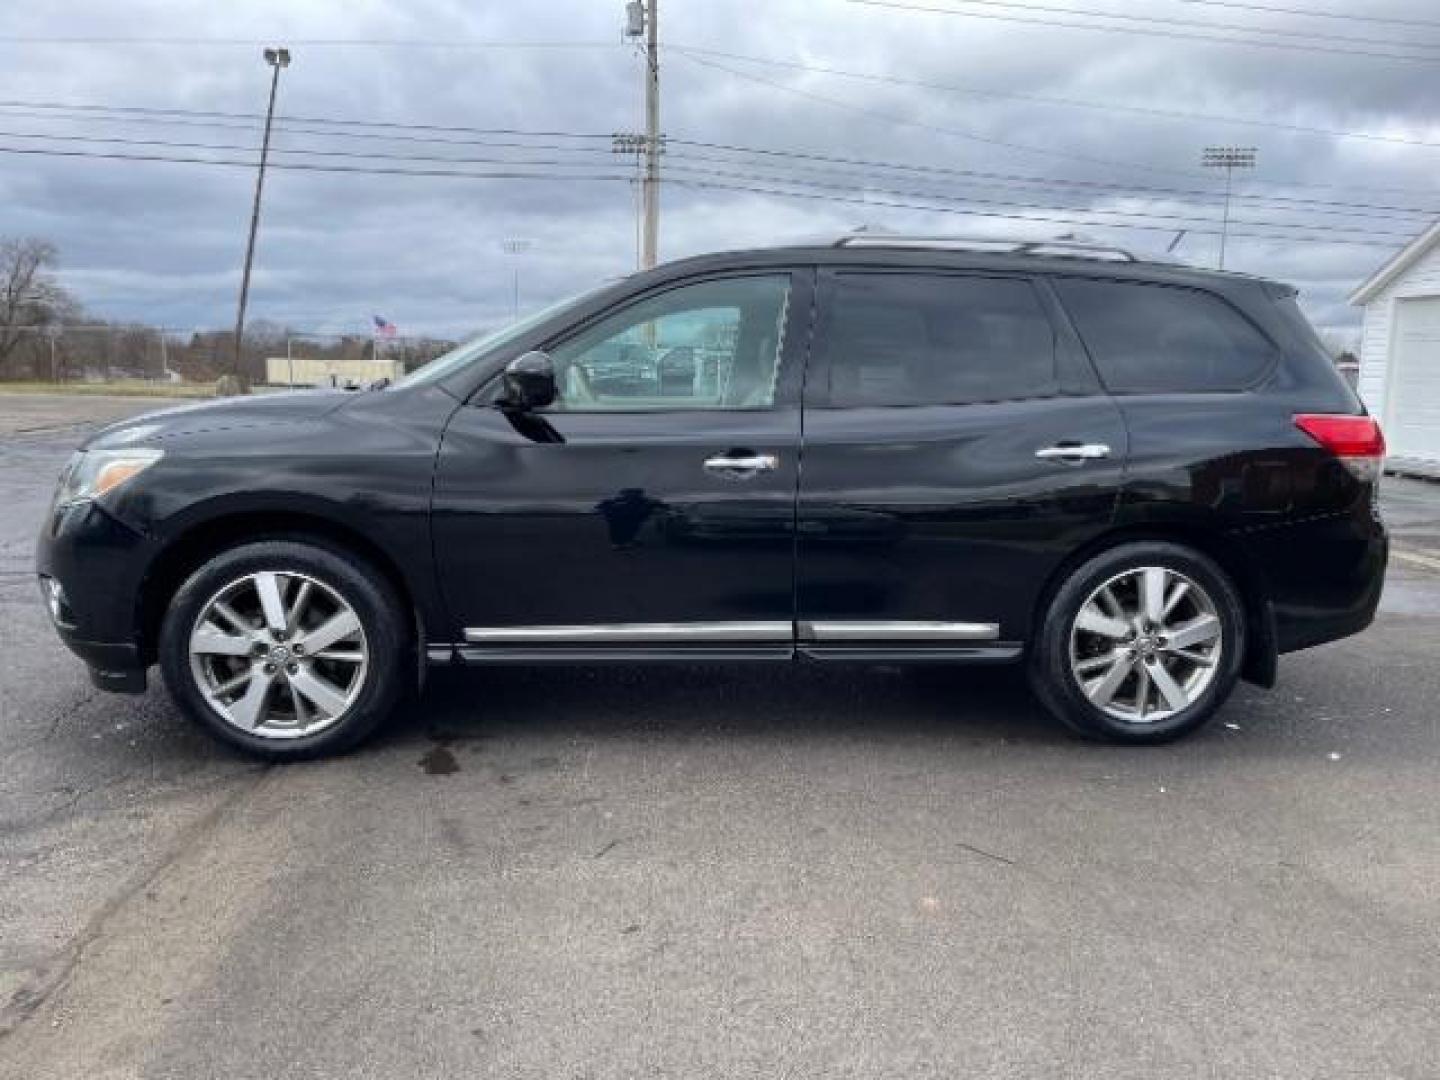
{"x":711,"y":345}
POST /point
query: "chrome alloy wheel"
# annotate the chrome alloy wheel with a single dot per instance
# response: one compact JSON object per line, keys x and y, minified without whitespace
{"x":1145,"y":644}
{"x":279,"y":655}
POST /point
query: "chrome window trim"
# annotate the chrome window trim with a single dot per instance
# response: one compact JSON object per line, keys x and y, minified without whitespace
{"x":633,"y":632}
{"x":896,"y":630}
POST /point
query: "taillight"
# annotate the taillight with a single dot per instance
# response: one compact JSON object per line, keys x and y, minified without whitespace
{"x":1355,"y":440}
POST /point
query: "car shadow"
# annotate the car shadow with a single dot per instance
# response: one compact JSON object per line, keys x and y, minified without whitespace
{"x":799,"y":700}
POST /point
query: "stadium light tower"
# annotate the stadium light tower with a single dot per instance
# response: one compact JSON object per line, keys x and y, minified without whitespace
{"x":277,"y":58}
{"x":515,"y":248}
{"x":1228,"y":158}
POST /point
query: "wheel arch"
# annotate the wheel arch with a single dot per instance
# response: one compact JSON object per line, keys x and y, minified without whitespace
{"x":1261,"y":653}
{"x":188,"y":549}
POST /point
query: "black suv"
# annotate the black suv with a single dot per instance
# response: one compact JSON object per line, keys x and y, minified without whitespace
{"x":1144,"y":481}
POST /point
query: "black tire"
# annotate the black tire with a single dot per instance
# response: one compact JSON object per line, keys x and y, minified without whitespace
{"x":1060,"y":690}
{"x":382,"y":618}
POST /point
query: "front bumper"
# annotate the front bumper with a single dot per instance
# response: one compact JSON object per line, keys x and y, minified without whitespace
{"x":90,"y":566}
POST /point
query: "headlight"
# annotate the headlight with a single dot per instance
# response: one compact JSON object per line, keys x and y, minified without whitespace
{"x":93,"y":473}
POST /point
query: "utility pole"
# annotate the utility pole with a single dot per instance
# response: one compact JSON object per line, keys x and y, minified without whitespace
{"x":277,"y":58}
{"x":651,"y":188}
{"x":1228,"y":158}
{"x":643,"y":17}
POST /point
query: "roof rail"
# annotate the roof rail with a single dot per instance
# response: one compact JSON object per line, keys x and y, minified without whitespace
{"x":1079,"y":249}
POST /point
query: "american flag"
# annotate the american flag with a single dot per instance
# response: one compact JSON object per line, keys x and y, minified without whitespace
{"x":383,"y":327}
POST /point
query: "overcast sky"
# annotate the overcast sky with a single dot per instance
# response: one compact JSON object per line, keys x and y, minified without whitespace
{"x":163,"y":242}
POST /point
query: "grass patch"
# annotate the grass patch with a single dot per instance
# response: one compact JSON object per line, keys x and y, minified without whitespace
{"x":124,"y":388}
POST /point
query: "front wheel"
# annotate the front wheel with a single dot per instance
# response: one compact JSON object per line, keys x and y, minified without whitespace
{"x":1140,"y":644}
{"x":285,"y":649}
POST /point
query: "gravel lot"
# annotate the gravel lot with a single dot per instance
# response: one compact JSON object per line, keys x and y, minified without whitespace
{"x":708,"y":872}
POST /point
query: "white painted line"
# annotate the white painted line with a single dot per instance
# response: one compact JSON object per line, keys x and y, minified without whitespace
{"x":1430,"y":562}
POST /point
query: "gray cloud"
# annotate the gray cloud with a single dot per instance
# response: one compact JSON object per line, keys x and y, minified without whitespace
{"x":163,"y":242}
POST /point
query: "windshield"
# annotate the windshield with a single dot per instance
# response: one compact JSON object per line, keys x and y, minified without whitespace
{"x":467,"y":353}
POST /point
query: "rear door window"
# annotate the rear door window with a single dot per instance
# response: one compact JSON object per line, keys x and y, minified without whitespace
{"x":1163,"y":339}
{"x":935,"y":339}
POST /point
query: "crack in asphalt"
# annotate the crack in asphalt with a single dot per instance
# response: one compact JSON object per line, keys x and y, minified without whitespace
{"x":57,"y":973}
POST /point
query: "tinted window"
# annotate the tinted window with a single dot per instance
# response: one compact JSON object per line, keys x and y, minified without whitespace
{"x":921,"y":339}
{"x":1159,"y":339}
{"x":711,"y":345}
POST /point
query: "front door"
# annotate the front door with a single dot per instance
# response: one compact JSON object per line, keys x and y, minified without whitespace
{"x":957,"y":448}
{"x":650,"y":509}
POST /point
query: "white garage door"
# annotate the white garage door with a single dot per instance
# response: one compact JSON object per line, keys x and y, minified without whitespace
{"x":1413,"y":424}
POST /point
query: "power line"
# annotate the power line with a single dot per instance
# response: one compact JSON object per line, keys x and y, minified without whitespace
{"x":301,"y":151}
{"x":155,"y":115}
{"x":308,"y":43}
{"x":1410,"y":215}
{"x":1160,"y":20}
{"x":891,"y":118}
{"x":93,"y":113}
{"x":1147,"y":31}
{"x":530,"y":174}
{"x":848,"y":182}
{"x":1020,"y":178}
{"x":1154,"y":215}
{"x":1310,"y":13}
{"x":249,"y":163}
{"x":1006,"y":181}
{"x":1046,"y":219}
{"x":142,"y":110}
{"x":325,"y":133}
{"x":895,"y":80}
{"x":905,"y":122}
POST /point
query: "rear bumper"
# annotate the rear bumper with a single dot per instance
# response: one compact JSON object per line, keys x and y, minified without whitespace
{"x":89,"y":565}
{"x":1323,"y":576}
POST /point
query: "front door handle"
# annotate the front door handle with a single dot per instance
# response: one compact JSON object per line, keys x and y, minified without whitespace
{"x":741,"y":466}
{"x":1073,"y":453}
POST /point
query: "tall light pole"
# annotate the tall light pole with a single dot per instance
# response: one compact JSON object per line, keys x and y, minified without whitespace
{"x":1228,"y":158}
{"x":515,"y":248}
{"x":277,"y":58}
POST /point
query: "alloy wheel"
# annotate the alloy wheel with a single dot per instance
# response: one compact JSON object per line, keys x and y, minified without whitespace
{"x":279,"y":654}
{"x":1146,"y":644}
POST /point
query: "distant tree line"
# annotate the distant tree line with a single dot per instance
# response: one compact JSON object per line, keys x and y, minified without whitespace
{"x":46,"y":334}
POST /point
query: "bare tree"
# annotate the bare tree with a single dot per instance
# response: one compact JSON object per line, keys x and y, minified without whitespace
{"x":29,"y":293}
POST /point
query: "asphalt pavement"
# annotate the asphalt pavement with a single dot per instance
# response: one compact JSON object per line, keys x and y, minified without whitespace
{"x":722,"y":872}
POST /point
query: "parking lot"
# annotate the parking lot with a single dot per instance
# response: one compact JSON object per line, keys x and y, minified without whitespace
{"x":724,"y":872}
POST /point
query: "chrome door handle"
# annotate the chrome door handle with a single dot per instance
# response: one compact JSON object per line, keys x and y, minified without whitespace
{"x":737,"y":468}
{"x":1074,"y":453}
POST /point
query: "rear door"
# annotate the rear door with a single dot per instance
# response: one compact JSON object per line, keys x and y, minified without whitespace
{"x":957,"y":448}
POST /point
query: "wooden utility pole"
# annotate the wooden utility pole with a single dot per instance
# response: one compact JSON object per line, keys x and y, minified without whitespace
{"x":651,"y":183}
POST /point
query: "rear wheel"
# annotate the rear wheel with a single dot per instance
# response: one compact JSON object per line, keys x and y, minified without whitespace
{"x":285,"y":649}
{"x":1140,"y":645}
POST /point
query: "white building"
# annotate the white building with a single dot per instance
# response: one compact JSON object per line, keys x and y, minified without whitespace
{"x":306,"y":371}
{"x":1400,"y":353}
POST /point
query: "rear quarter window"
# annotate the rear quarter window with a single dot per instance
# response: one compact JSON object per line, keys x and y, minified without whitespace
{"x":1165,"y":339}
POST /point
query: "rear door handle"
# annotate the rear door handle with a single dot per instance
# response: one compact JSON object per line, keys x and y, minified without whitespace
{"x":1073,"y":453}
{"x":740,"y":466}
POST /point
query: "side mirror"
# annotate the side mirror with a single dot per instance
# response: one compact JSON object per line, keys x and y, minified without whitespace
{"x":529,"y":383}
